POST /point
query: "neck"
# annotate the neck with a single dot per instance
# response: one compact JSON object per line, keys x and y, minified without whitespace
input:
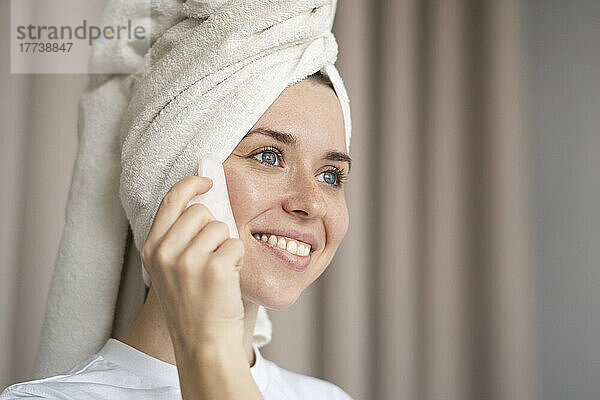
{"x":149,"y":333}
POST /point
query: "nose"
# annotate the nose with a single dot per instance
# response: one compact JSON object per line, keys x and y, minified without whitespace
{"x":305,"y":199}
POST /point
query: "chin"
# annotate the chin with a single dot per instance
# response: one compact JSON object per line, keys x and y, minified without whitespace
{"x":272,"y":292}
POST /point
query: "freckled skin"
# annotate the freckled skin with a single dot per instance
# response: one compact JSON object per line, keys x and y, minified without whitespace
{"x":289,"y":195}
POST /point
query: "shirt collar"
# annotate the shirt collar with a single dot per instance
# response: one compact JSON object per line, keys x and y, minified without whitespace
{"x":162,"y":372}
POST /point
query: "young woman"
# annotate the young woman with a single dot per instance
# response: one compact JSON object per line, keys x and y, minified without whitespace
{"x":193,"y":337}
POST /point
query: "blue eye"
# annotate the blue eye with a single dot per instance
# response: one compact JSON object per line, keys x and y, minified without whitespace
{"x":328,"y":177}
{"x":267,"y":157}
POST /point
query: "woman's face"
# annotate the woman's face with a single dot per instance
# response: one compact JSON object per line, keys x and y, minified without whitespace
{"x":285,"y":182}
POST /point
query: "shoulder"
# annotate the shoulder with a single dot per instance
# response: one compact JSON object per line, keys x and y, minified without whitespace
{"x":94,"y":378}
{"x":303,"y":386}
{"x":23,"y":390}
{"x":52,"y":387}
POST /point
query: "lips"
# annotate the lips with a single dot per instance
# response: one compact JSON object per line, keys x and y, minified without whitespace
{"x":280,"y":243}
{"x":282,"y":247}
{"x":292,"y":261}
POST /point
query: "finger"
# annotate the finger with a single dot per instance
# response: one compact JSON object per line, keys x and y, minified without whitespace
{"x":230,"y":253}
{"x":214,"y":234}
{"x":173,"y":204}
{"x":193,"y":220}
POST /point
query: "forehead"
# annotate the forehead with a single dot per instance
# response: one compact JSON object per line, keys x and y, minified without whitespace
{"x":309,"y":111}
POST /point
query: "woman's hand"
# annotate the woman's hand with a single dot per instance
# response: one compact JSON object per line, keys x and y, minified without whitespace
{"x":195,"y":270}
{"x":194,"y":266}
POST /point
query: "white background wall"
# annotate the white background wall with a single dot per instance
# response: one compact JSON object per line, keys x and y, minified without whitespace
{"x":564,"y":118}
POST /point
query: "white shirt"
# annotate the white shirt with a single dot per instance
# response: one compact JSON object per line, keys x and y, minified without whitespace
{"x":119,"y":371}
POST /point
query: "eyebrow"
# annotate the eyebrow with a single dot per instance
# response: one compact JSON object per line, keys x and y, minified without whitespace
{"x":282,"y":137}
{"x":287,"y":138}
{"x":339,"y":156}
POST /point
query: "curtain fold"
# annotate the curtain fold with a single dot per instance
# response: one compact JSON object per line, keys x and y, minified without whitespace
{"x":430,"y":294}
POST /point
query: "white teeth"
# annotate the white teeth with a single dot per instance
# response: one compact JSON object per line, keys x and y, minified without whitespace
{"x":273,"y":240}
{"x":301,"y":250}
{"x":306,"y":250}
{"x":281,"y":243}
{"x":290,"y":245}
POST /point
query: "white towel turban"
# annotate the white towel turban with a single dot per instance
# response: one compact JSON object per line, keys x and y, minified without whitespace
{"x":214,"y":67}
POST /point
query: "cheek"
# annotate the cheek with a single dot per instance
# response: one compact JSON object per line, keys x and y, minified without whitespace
{"x":246,"y":195}
{"x":336,"y":221}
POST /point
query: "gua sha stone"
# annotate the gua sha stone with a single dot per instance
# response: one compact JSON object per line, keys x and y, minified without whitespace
{"x":217,"y":198}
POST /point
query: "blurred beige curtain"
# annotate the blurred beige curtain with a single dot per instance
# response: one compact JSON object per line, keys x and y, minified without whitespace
{"x":429,"y":296}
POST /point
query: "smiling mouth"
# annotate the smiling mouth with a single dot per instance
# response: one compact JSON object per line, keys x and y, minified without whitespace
{"x":292,"y":246}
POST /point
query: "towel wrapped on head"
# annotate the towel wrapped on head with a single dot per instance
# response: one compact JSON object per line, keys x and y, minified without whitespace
{"x":213,"y":68}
